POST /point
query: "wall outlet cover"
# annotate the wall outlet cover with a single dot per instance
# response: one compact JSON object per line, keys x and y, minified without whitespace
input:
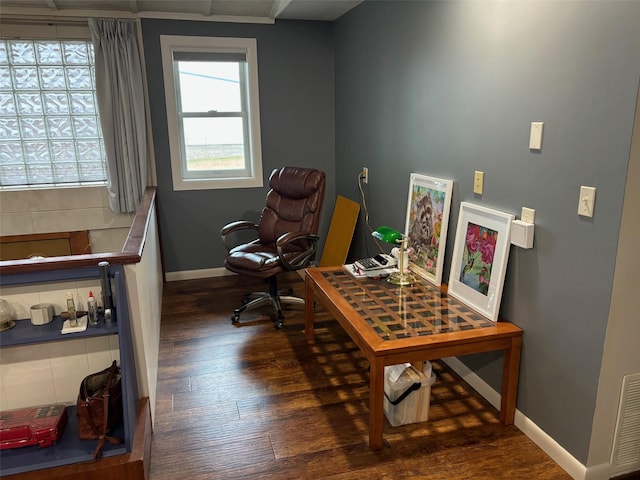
{"x":528,"y":215}
{"x":478,"y":182}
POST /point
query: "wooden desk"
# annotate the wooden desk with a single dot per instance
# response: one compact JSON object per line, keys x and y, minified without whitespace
{"x":392,"y":325}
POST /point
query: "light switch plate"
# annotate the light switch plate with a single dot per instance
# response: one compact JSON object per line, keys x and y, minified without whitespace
{"x":587,"y":201}
{"x":535,"y":138}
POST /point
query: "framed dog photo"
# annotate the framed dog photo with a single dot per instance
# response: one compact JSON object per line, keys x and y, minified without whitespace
{"x":480,"y":254}
{"x":427,"y":224}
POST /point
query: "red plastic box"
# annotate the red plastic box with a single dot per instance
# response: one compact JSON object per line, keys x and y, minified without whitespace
{"x":40,"y":426}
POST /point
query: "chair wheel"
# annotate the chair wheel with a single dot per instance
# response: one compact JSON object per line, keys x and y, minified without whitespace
{"x":279,"y":323}
{"x":235,"y":318}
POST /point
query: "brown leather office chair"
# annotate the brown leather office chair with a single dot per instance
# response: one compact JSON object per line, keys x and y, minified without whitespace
{"x":286,"y":236}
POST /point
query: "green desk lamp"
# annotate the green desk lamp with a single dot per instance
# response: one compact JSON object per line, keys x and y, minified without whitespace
{"x":389,"y":235}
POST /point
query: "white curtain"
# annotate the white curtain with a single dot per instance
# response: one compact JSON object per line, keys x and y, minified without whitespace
{"x":120,"y":95}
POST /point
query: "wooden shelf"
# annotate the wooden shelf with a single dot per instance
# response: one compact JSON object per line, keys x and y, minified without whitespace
{"x":70,"y":450}
{"x":25,"y":332}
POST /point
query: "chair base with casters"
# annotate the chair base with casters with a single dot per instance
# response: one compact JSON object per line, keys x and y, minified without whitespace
{"x":285,"y":237}
{"x":274,"y":297}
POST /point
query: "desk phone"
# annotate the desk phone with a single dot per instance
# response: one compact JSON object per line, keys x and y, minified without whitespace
{"x":382,"y":260}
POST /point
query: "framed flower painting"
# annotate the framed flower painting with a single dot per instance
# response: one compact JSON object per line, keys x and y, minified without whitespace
{"x":427,"y":224}
{"x":480,"y":254}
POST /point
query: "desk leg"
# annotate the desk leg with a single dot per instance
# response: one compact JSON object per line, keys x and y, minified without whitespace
{"x":510,"y":373}
{"x":376,"y":410}
{"x":308,"y":308}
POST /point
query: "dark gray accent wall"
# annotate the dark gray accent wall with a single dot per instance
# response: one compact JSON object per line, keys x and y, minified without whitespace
{"x":446,"y":88}
{"x":295,"y":69}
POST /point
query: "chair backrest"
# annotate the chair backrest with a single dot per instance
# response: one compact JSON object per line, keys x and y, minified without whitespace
{"x":294,"y":204}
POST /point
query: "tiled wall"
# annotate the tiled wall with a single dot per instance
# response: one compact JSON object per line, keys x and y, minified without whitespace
{"x":51,"y":372}
{"x":62,"y":210}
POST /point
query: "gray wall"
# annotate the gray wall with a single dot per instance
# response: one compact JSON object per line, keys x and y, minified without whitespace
{"x":295,"y":68}
{"x":446,"y":88}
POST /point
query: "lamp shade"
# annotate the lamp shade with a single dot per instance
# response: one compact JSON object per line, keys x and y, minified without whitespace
{"x":390,"y":235}
{"x":387,"y":234}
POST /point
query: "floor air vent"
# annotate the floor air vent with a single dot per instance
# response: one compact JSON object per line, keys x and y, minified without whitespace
{"x":625,"y":456}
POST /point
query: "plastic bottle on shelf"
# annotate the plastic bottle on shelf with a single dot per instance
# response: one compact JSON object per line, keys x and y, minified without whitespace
{"x":71,"y":308}
{"x":92,"y":310}
{"x":107,"y":299}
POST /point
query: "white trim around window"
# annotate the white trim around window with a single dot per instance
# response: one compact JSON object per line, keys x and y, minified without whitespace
{"x":250,"y":175}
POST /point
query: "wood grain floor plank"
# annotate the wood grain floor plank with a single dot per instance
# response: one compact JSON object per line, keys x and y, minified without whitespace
{"x":248,"y":401}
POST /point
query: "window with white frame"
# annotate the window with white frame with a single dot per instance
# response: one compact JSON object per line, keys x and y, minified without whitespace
{"x":50,"y":131}
{"x":211,"y":90}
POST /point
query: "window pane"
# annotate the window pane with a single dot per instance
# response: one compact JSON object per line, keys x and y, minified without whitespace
{"x":9,"y":129}
{"x":59,"y":127}
{"x":78,"y":77}
{"x":66,"y":171}
{"x":7,"y":106}
{"x":39,"y":174}
{"x":11,"y":153}
{"x":22,"y":52}
{"x":13,"y":174}
{"x":89,"y":150}
{"x":209,"y":86}
{"x":25,"y":78}
{"x":56,"y":103}
{"x":82,"y":102}
{"x":76,"y":53}
{"x":63,"y":151}
{"x":5,"y":78}
{"x":52,"y":78}
{"x":37,"y":153}
{"x":91,"y":171}
{"x":86,"y":127}
{"x":29,"y":103}
{"x":49,"y":53}
{"x":214,"y":144}
{"x":33,"y":127}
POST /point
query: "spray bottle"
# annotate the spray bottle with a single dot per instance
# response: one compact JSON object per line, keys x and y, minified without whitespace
{"x":92,"y":310}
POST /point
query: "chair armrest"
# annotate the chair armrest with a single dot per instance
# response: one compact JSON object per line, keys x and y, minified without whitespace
{"x":296,"y":260}
{"x":235,"y":227}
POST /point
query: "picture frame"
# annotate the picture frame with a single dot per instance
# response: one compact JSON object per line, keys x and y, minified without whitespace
{"x":426,"y":225}
{"x":480,"y":255}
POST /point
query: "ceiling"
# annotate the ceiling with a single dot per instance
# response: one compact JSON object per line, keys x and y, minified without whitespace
{"x":327,"y":10}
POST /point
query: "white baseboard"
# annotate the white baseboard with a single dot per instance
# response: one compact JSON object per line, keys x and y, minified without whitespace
{"x":538,"y":436}
{"x":194,"y":274}
{"x":599,"y":472}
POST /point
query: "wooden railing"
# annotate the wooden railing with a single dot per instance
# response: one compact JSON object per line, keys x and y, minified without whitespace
{"x":131,"y":251}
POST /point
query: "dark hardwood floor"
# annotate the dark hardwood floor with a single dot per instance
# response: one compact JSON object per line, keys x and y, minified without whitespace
{"x":249,"y":401}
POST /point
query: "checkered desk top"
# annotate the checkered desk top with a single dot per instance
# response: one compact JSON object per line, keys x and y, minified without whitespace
{"x":401,"y":312}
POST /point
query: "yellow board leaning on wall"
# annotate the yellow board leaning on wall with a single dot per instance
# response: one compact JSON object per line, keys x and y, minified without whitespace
{"x":343,"y":224}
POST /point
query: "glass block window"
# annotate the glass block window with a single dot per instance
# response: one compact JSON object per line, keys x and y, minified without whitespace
{"x":49,"y":123}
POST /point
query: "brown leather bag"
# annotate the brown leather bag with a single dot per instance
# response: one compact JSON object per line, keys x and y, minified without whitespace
{"x":100,"y":407}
